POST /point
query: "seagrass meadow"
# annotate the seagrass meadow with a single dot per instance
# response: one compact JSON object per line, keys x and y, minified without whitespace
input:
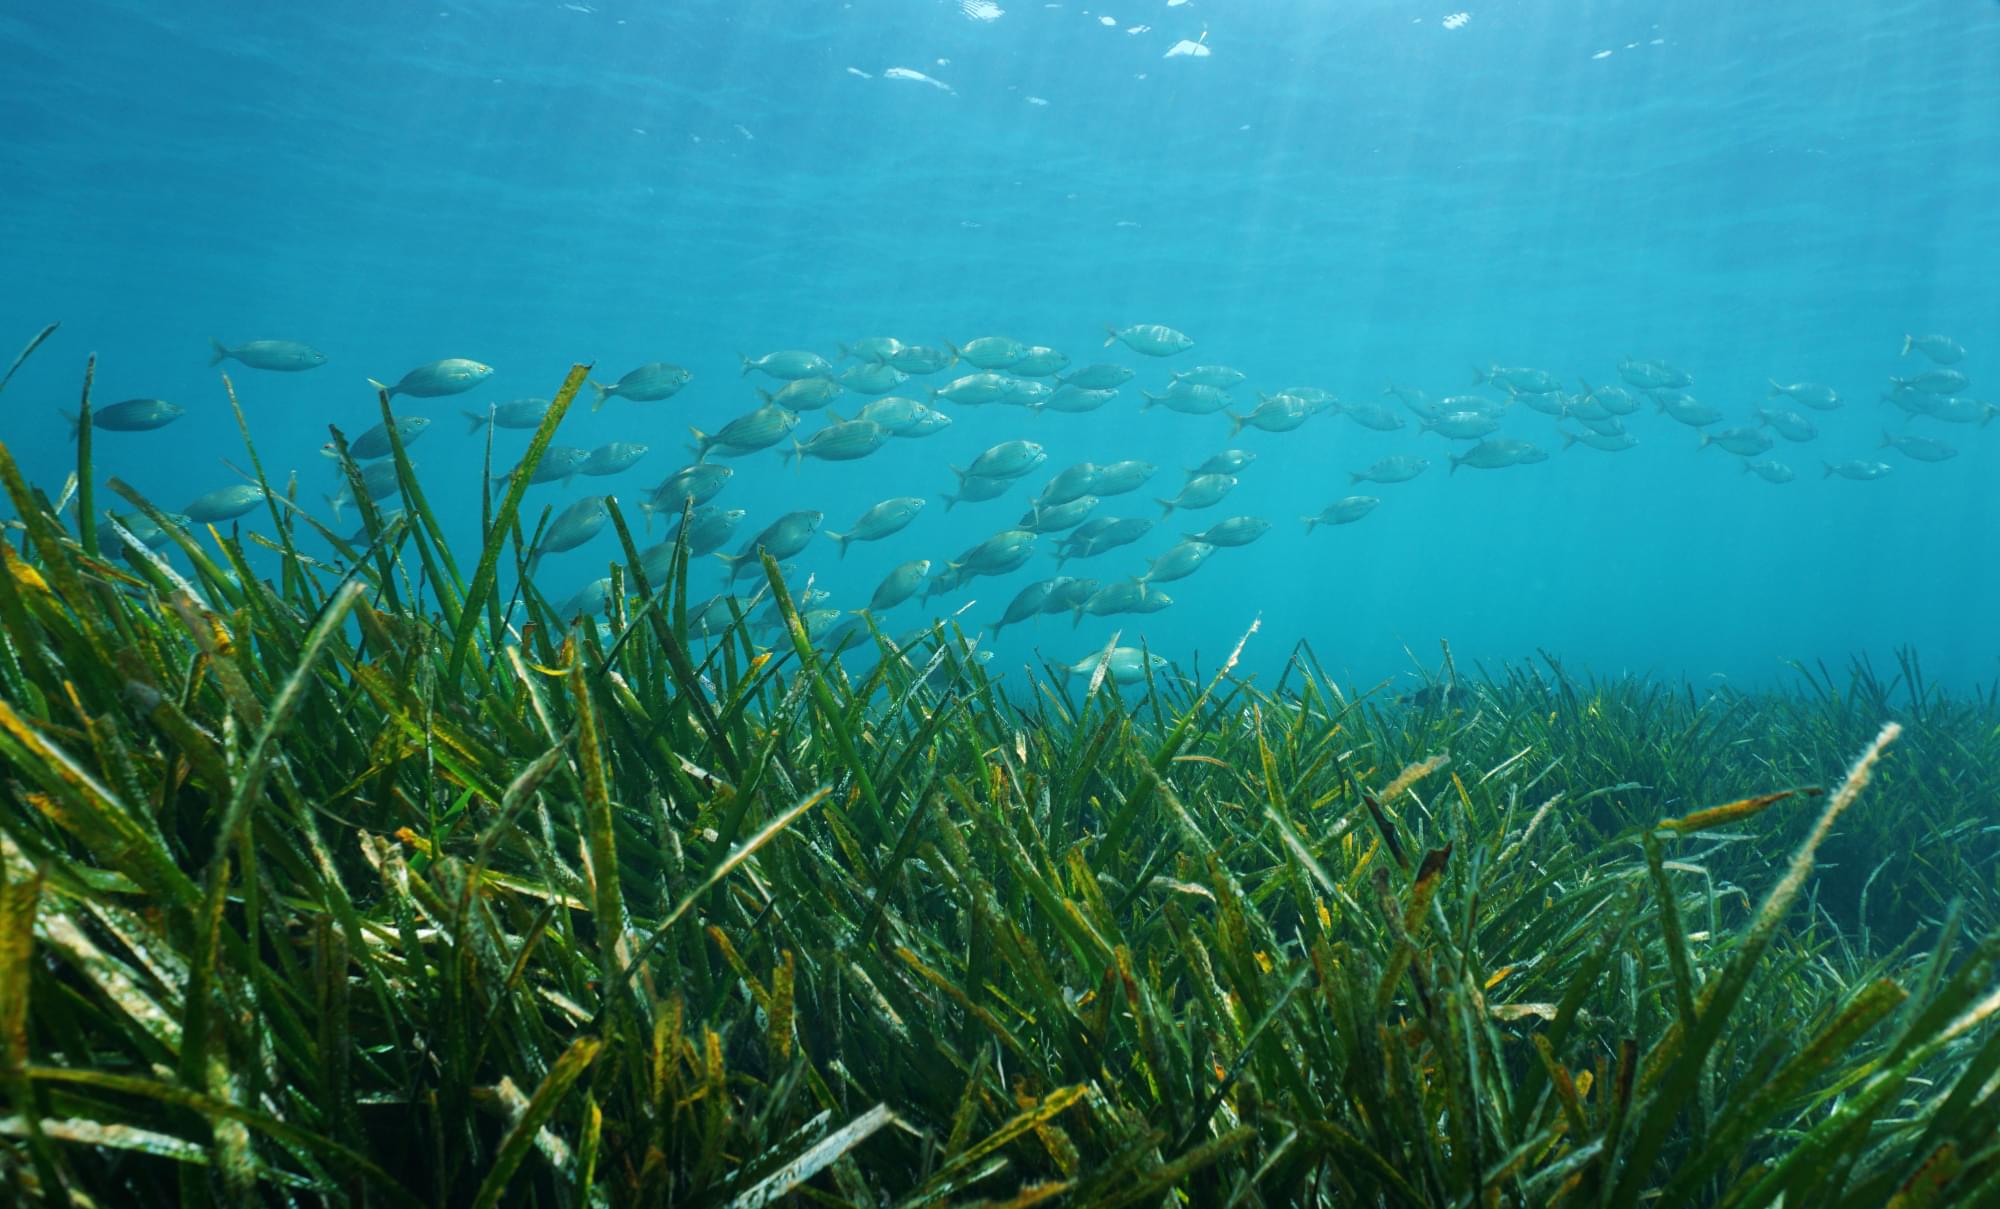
{"x":378,"y":882}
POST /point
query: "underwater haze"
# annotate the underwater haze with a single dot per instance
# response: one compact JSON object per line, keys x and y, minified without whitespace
{"x":1341,"y":196}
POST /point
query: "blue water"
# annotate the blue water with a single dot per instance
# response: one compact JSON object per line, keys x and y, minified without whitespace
{"x":1337,"y":195}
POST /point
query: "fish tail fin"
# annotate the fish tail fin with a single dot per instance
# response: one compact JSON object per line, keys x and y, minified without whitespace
{"x":1909,"y":341}
{"x":603,"y":395}
{"x":701,"y":443}
{"x":1454,"y":459}
{"x":841,"y":540}
{"x":794,"y":457}
{"x":1479,"y":376}
{"x":843,"y":350}
{"x":1110,"y":335}
{"x":1076,"y":617}
{"x":1166,"y":508}
{"x":1776,"y":389}
{"x":383,"y":386}
{"x":337,"y":503}
{"x":1706,"y":441}
{"x":1569,"y":438}
{"x":732,"y":563}
{"x":949,"y":500}
{"x":1312,"y":522}
{"x":961,"y":474}
{"x":1746,"y":466}
{"x":218,"y":353}
{"x":1887,"y":440}
{"x":766,"y":395}
{"x":1235,"y":424}
{"x":748,"y":364}
{"x":1355,"y":476}
{"x":75,"y":427}
{"x":474,"y":421}
{"x":1829,"y":470}
{"x":1589,"y":391}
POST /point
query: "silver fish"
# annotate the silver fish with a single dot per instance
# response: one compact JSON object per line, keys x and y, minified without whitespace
{"x":698,"y":483}
{"x":872,"y":378}
{"x":972,"y":390}
{"x":1654,"y":375}
{"x":515,"y":413}
{"x":1187,"y":398}
{"x":1097,"y":536}
{"x":1077,"y":400}
{"x":1923,"y":449}
{"x":1201,"y":491}
{"x":559,"y":464}
{"x":1788,"y":424}
{"x":1497,"y":453}
{"x":899,"y":584}
{"x":1746,"y":441}
{"x":894,"y":413}
{"x":378,"y":479}
{"x":1125,"y":596}
{"x":790,"y":365}
{"x":977,"y":488}
{"x":889,"y":517}
{"x":451,"y":376}
{"x":1236,"y":531}
{"x":1857,"y":469}
{"x":1609,"y":442}
{"x":1054,"y":518}
{"x":918,"y":359}
{"x":1220,"y":376}
{"x":1343,"y":511}
{"x":1229,"y":461}
{"x":805,"y":394}
{"x":1038,"y":361}
{"x":1030,"y":601}
{"x":285,"y":355}
{"x":1941,"y":349}
{"x":1098,"y":377}
{"x":1462,"y":425}
{"x":1815,"y":395}
{"x":132,"y":415}
{"x":842,"y":441}
{"x":1178,"y":562}
{"x":224,"y":503}
{"x":1934,"y":382}
{"x":612,"y":458}
{"x":1152,"y":339}
{"x":1276,"y":413}
{"x":990,"y":352}
{"x":1396,"y":468}
{"x":781,"y":539}
{"x":1373,"y":416}
{"x":375,"y":442}
{"x":575,"y":525}
{"x":1118,"y":478}
{"x":1770,"y":471}
{"x":1073,"y":483}
{"x":997,"y":555}
{"x":650,"y":383}
{"x":1518,"y":380}
{"x":1685,"y":408}
{"x":747,"y":433}
{"x":929,"y":422}
{"x":1124,"y":665}
{"x":1007,"y":460}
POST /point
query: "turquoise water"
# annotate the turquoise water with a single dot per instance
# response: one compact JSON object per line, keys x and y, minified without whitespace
{"x":1336,"y":195}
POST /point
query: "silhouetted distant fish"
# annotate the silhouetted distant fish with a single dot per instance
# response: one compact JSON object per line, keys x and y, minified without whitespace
{"x":1934,"y":382}
{"x":1857,"y":469}
{"x":515,"y":413}
{"x":1770,"y":471}
{"x":1343,"y":511}
{"x":1815,"y":395}
{"x":1397,"y":468}
{"x":790,"y":365}
{"x":1923,"y":449}
{"x":889,"y":517}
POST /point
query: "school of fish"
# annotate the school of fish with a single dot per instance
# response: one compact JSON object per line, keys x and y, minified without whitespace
{"x":799,"y":404}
